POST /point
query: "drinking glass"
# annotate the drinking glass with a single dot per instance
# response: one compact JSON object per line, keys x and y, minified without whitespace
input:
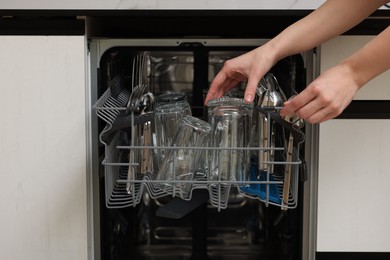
{"x":231,"y":129}
{"x":185,"y":157}
{"x":166,"y":118}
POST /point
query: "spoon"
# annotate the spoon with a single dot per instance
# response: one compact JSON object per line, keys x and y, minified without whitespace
{"x":272,"y":97}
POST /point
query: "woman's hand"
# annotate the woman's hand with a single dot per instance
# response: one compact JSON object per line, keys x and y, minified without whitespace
{"x":251,"y":66}
{"x":326,"y":97}
{"x":329,"y":94}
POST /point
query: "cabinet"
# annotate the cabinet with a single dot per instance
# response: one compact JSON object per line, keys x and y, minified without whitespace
{"x":354,"y":175}
{"x":43,"y":151}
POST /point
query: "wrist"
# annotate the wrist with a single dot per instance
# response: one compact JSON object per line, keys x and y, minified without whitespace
{"x":272,"y":52}
{"x":355,"y":71}
{"x":351,"y":74}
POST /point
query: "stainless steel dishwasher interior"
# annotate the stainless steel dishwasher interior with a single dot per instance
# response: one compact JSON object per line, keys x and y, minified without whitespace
{"x":130,"y":226}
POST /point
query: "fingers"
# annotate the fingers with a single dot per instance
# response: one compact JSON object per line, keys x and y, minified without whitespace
{"x":216,"y":89}
{"x":292,"y":106}
{"x":244,"y":67}
{"x":250,"y":91}
{"x":307,"y":106}
{"x":226,"y":79}
{"x":312,"y":106}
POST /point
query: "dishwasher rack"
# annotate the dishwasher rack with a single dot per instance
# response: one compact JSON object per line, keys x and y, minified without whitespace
{"x":267,"y":187}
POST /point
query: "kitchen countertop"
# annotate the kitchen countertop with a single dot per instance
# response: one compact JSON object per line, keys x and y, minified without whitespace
{"x":160,"y":4}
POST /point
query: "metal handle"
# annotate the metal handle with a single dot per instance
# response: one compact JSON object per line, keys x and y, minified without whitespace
{"x":287,"y":172}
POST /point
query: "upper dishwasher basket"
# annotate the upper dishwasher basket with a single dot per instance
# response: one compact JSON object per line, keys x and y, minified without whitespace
{"x":268,"y":186}
{"x":129,"y":137}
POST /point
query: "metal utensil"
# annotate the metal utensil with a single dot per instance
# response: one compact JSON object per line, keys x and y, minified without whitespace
{"x":287,"y":172}
{"x":135,"y":104}
{"x":147,"y":154}
{"x":297,"y":123}
{"x":272,"y":98}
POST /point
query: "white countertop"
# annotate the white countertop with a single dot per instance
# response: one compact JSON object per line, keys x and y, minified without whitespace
{"x":160,"y":4}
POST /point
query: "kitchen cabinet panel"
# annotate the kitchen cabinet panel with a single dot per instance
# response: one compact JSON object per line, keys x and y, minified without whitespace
{"x":353,"y":168}
{"x":43,"y":148}
{"x":353,"y":191}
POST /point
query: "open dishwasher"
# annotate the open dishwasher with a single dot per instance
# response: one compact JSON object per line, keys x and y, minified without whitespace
{"x":257,"y":216}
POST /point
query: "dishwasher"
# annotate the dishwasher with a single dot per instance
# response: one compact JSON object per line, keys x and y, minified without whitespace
{"x":258,"y":216}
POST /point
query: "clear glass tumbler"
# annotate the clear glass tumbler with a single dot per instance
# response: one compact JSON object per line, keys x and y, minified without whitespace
{"x":185,"y":157}
{"x":166,"y":123}
{"x":231,"y":129}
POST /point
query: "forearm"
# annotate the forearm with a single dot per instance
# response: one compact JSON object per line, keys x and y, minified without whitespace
{"x":371,"y":60}
{"x":332,"y":91}
{"x":331,"y":19}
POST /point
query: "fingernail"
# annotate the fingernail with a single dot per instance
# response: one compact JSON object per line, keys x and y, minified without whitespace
{"x":248,"y":98}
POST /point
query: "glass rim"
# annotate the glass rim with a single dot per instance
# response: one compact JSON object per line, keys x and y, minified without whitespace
{"x":230,"y":110}
{"x":171,"y":107}
{"x":195,"y":123}
{"x":228,"y":101}
{"x":171,"y":97}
